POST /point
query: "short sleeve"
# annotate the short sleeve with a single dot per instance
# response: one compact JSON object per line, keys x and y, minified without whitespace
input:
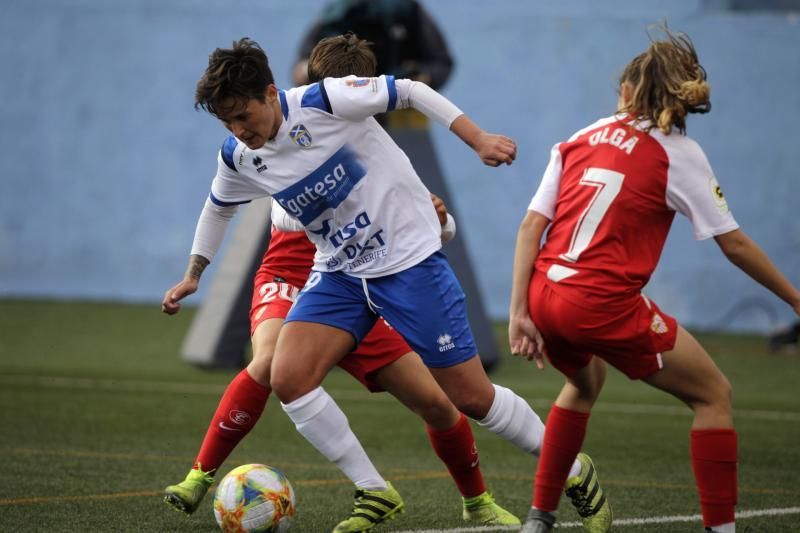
{"x":228,"y":187}
{"x":544,"y":201}
{"x":693,"y":190}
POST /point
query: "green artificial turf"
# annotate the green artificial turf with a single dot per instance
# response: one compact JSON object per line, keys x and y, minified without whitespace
{"x":99,"y":414}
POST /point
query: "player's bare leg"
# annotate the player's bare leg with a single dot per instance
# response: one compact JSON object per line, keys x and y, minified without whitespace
{"x":264,"y":339}
{"x":467,"y":386}
{"x":237,"y":413}
{"x":408,"y":380}
{"x":304,"y":355}
{"x":450,"y":434}
{"x":581,"y":391}
{"x":496,"y":408}
{"x":691,"y":375}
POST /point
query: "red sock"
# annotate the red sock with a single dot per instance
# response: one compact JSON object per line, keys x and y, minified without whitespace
{"x":457,"y":450}
{"x":563,"y":438}
{"x":238,"y":411}
{"x":713,"y":454}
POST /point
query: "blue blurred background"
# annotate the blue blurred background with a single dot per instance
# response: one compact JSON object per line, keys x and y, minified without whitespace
{"x":106,"y":164}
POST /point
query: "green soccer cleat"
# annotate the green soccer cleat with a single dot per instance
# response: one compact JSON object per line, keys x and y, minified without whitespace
{"x":187,"y":495}
{"x":588,"y":498}
{"x":483,"y":510}
{"x":371,"y":508}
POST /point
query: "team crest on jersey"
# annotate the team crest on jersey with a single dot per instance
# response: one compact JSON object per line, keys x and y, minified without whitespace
{"x":658,"y":325}
{"x":259,"y":164}
{"x":361,"y":82}
{"x":300,"y":135}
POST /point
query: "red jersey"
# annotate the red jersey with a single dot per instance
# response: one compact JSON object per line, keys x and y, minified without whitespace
{"x":611,"y":192}
{"x":289,"y":256}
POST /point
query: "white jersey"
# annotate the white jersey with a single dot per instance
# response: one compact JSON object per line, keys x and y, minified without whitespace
{"x":334,"y":168}
{"x":284,"y":222}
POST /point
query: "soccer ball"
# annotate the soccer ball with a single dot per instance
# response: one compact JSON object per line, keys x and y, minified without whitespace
{"x":254,"y":499}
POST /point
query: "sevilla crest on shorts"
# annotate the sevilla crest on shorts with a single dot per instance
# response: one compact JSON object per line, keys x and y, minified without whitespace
{"x":658,"y":325}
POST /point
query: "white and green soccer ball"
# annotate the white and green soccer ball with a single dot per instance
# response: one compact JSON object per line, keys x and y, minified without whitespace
{"x":254,"y":499}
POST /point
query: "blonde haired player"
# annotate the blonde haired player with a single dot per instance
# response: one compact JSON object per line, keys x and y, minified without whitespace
{"x":607,"y":200}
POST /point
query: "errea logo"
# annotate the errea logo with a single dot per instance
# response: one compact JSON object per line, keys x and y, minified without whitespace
{"x":445,"y":342}
{"x":259,"y":164}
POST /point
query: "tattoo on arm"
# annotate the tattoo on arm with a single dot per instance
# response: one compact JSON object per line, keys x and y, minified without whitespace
{"x":197,"y":263}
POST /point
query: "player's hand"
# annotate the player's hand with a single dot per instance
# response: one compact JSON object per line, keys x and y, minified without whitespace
{"x":525,"y":340}
{"x":494,"y":150}
{"x":171,"y":302}
{"x":441,"y":209}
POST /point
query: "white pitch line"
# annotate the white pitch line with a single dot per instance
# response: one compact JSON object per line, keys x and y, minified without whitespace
{"x":617,"y":522}
{"x":177,"y":387}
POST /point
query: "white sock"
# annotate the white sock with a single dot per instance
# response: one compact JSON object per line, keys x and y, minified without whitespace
{"x":575,"y":470}
{"x":730,"y":527}
{"x":317,"y":417}
{"x":513,"y":419}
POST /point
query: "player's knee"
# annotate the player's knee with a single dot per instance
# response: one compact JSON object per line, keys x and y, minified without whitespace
{"x":439,"y":412}
{"x":599,"y":375}
{"x":589,"y":387}
{"x":723,"y":394}
{"x":474,"y":406}
{"x":289,"y":385}
{"x":263,"y":351}
{"x":592,"y":393}
{"x":259,"y":370}
{"x":259,"y":367}
{"x":285,"y":390}
{"x":717,"y":396}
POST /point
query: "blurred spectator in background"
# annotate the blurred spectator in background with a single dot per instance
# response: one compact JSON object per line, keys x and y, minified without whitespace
{"x":406,"y":41}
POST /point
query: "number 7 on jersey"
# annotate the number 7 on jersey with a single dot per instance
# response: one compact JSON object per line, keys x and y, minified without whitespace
{"x":608,"y":184}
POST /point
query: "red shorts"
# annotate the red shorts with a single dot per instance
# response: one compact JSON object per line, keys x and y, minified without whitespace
{"x":271,"y":299}
{"x":379,"y":348}
{"x":631,"y":340}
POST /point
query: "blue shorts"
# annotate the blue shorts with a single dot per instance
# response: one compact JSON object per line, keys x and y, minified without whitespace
{"x":424,"y":303}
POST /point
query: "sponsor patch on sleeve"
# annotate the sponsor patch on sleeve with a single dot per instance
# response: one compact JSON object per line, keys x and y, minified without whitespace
{"x":719,"y":196}
{"x":360,"y":82}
